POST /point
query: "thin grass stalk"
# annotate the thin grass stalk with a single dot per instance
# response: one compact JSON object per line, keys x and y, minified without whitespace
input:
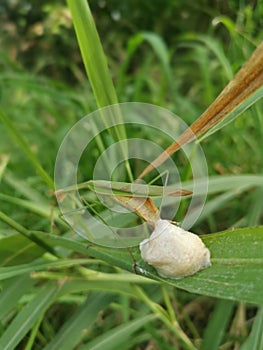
{"x":97,"y":69}
{"x":26,"y":149}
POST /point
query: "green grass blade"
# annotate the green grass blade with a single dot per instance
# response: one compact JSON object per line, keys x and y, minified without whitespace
{"x":115,"y":338}
{"x":11,"y":292}
{"x":17,"y":270}
{"x":255,"y":339}
{"x":3,"y":165}
{"x":69,"y":336}
{"x":92,"y":53}
{"x":22,"y":187}
{"x":97,"y":69}
{"x":122,"y":288}
{"x":217,"y":49}
{"x":39,"y":208}
{"x":26,"y":233}
{"x":26,"y":149}
{"x":17,"y":249}
{"x":161,"y":50}
{"x":215,"y":329}
{"x":27,"y":317}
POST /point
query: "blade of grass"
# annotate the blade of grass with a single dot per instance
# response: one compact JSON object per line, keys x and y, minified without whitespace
{"x":27,"y":317}
{"x":116,"y":337}
{"x":163,"y":315}
{"x":96,"y":67}
{"x":92,"y":53}
{"x":11,"y":271}
{"x":23,"y":188}
{"x":255,"y":339}
{"x":69,"y":336}
{"x":3,"y":164}
{"x":217,"y":49}
{"x":161,"y":50}
{"x":217,"y":324}
{"x":38,"y":208}
{"x":26,"y":149}
{"x":11,"y":292}
{"x":16,"y":249}
{"x":34,"y":333}
{"x":26,"y":233}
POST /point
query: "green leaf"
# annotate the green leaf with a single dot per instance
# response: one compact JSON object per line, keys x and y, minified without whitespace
{"x":236,"y":272}
{"x":122,"y":258}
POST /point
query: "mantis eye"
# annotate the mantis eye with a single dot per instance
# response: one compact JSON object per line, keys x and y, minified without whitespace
{"x":174,"y":252}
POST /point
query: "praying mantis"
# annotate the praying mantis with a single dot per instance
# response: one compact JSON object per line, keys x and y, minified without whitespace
{"x":246,"y":83}
{"x":243,"y":90}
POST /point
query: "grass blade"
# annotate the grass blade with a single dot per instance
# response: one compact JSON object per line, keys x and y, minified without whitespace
{"x":215,"y":329}
{"x":27,"y":317}
{"x":255,"y":339}
{"x":97,"y":70}
{"x":69,"y":336}
{"x":17,"y":270}
{"x":26,"y":233}
{"x":92,"y":53}
{"x":11,"y":292}
{"x":17,"y":249}
{"x":116,"y":337}
{"x":26,"y":149}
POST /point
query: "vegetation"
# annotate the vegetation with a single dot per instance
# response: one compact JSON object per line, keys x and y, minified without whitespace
{"x":57,"y":291}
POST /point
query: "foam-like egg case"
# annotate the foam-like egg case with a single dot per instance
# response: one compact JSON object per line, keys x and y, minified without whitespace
{"x":174,"y":252}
